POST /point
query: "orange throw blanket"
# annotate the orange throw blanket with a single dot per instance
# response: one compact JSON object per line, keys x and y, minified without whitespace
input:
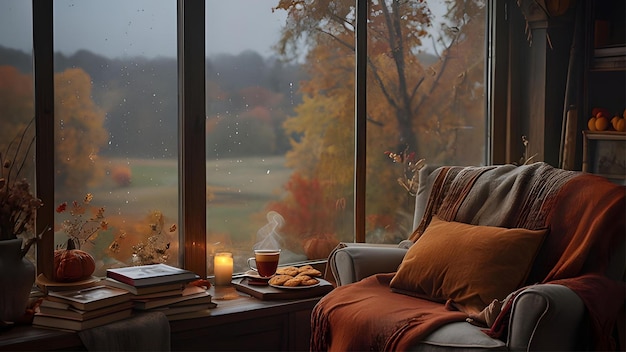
{"x":586,"y":217}
{"x":586,"y":223}
{"x":387,"y":321}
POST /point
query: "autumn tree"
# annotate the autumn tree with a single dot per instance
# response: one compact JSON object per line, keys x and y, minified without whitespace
{"x":16,"y":111}
{"x":79,"y":132}
{"x":403,"y":90}
{"x":416,"y":99}
{"x":307,"y":204}
{"x":322,"y":152}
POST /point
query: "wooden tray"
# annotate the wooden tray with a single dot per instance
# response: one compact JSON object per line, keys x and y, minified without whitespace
{"x":272,"y":293}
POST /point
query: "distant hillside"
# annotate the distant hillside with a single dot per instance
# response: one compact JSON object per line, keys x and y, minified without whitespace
{"x":16,"y":58}
{"x":140,"y":99}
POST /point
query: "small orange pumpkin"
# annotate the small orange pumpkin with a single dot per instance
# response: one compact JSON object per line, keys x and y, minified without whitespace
{"x":71,"y":264}
{"x":319,"y":247}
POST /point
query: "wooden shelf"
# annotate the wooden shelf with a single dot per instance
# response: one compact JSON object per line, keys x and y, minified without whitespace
{"x":603,"y":86}
{"x":605,"y":135}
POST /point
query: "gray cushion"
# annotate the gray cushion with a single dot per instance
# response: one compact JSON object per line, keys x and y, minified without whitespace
{"x":461,"y":335}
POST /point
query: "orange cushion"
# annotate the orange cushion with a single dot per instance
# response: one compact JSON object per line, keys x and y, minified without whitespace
{"x":468,"y":264}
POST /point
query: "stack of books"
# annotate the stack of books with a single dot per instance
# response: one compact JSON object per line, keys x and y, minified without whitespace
{"x":192,"y":299}
{"x":160,"y":287}
{"x":87,"y":308}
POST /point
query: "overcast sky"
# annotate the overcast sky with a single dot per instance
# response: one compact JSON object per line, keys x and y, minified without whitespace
{"x":118,"y":28}
{"x":127,"y":28}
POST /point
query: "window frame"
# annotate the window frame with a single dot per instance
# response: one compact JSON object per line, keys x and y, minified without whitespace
{"x":43,"y":76}
{"x":192,"y":120}
{"x":192,"y":127}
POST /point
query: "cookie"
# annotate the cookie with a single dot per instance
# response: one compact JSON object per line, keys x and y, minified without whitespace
{"x":293,"y":282}
{"x":309,"y":282}
{"x":306,"y":280}
{"x":288,"y":270}
{"x":311,"y":272}
{"x":304,"y":267}
{"x":279,"y":280}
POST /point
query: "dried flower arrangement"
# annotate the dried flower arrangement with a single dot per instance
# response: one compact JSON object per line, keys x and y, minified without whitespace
{"x":18,"y":206}
{"x":82,"y":230}
{"x":410,"y":175}
{"x":156,"y":247}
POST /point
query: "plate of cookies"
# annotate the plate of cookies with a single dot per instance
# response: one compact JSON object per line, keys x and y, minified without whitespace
{"x":292,"y":277}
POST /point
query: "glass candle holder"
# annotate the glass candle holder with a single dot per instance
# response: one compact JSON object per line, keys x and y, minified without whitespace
{"x":223,"y":268}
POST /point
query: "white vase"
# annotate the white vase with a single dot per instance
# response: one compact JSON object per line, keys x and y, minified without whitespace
{"x":17,"y":276}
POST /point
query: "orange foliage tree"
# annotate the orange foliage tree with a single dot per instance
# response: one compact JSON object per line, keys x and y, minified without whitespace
{"x":79,"y":132}
{"x":308,"y":212}
{"x":415,"y":99}
{"x":16,"y":110}
{"x":407,"y":94}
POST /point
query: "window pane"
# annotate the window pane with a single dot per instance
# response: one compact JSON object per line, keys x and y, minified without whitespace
{"x":16,"y":102}
{"x":116,"y":129}
{"x":425,"y":101}
{"x":279,"y":134}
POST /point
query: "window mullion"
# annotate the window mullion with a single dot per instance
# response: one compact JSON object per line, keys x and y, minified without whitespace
{"x":192,"y":111}
{"x":43,"y":72}
{"x":360,"y":120}
{"x":497,"y":97}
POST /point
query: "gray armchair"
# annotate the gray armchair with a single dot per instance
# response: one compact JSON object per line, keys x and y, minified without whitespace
{"x":543,"y":317}
{"x":549,"y":316}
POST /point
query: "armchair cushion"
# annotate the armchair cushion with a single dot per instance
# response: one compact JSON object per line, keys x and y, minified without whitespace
{"x":468,"y":264}
{"x":352,"y":262}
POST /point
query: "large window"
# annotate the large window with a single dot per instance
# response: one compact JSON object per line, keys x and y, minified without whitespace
{"x":279,"y":149}
{"x":116,"y":129}
{"x":279,"y":124}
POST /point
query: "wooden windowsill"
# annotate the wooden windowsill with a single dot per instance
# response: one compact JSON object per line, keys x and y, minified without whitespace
{"x":234,"y":320}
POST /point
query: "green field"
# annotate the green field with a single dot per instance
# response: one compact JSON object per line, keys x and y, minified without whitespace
{"x":239,"y":190}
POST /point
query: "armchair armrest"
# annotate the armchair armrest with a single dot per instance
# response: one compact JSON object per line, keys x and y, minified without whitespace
{"x":351,"y":262}
{"x":546,"y":317}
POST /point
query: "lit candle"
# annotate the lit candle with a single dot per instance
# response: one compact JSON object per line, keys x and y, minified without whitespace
{"x":223,"y":268}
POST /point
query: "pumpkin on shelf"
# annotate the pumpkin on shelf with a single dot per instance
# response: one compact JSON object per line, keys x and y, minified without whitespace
{"x":71,"y":264}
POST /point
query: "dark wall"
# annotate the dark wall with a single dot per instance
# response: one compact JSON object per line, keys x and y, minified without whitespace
{"x":539,"y":69}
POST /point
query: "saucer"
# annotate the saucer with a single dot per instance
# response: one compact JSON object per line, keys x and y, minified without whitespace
{"x":253,"y":274}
